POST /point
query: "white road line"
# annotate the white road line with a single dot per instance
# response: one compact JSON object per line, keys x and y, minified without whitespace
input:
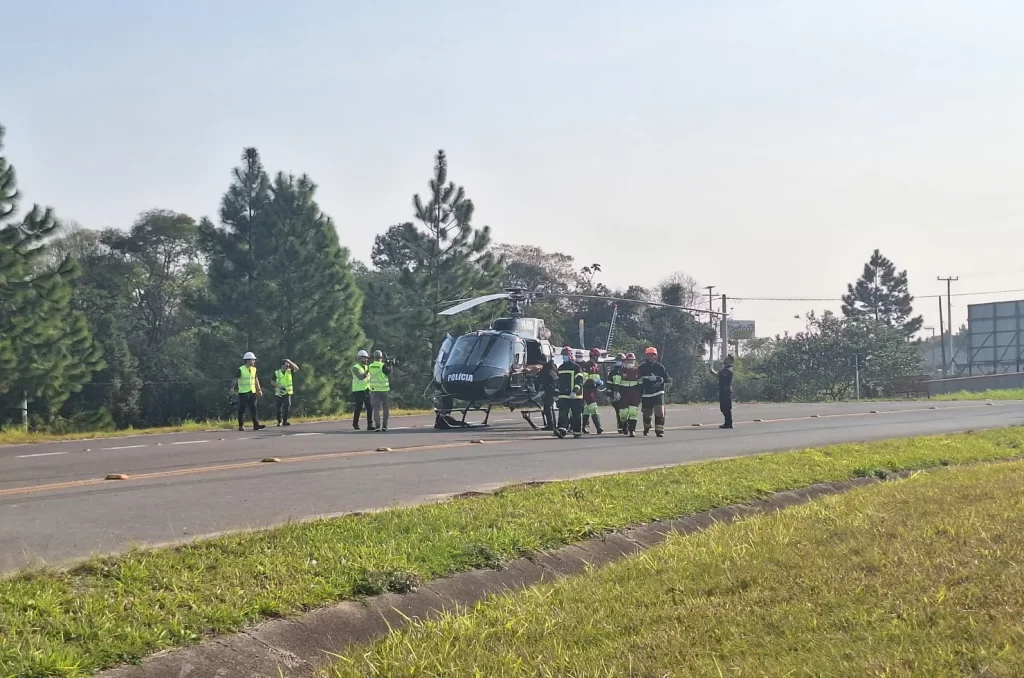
{"x":40,"y":454}
{"x":123,"y":447}
{"x":190,"y":442}
{"x":296,"y":435}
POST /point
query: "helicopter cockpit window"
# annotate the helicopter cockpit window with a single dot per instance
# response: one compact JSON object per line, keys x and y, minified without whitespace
{"x":519,"y":353}
{"x":535,"y":353}
{"x":491,"y":350}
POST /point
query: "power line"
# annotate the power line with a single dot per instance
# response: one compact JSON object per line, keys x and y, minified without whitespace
{"x":923,"y":296}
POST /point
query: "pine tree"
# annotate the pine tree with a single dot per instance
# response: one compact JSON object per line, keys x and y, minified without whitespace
{"x":282,"y":285}
{"x":315,"y":303}
{"x":46,"y":351}
{"x":882,"y":295}
{"x":442,"y":259}
{"x":235,"y":280}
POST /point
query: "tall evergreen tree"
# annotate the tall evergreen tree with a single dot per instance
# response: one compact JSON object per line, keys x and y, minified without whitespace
{"x":442,"y":258}
{"x":281,"y":285}
{"x":315,"y":303}
{"x":46,"y":351}
{"x":882,"y":295}
{"x":236,"y":284}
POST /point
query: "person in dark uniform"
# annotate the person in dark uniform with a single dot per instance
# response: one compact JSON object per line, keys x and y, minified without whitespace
{"x":611,"y":388}
{"x":655,"y":381}
{"x":570,"y":396}
{"x":547,"y":382}
{"x":725,"y":391}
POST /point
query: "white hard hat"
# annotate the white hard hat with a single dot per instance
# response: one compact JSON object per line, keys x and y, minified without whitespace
{"x":362,"y":354}
{"x":249,"y":355}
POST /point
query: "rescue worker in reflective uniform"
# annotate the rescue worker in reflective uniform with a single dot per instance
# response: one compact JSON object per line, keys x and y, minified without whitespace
{"x":626,"y":386}
{"x":361,"y":390}
{"x":247,"y":386}
{"x":655,"y":380}
{"x":570,"y":396}
{"x":591,"y":388}
{"x":284,"y":389}
{"x":616,"y":368}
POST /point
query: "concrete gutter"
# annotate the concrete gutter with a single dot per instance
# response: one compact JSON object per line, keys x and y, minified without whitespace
{"x":297,"y":648}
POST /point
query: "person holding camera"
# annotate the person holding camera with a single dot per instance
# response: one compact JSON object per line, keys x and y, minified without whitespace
{"x":380,"y":388}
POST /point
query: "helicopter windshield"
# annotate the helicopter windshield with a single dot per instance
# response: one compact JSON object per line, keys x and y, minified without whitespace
{"x":490,"y":350}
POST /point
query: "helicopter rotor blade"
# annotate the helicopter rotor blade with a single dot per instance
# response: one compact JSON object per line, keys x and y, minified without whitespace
{"x":472,"y":303}
{"x":598,"y":297}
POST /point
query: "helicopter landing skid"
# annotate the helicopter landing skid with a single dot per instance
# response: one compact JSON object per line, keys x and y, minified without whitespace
{"x":526,"y":416}
{"x":445,"y":420}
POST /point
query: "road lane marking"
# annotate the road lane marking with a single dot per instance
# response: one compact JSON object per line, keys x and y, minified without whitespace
{"x":122,"y":447}
{"x":190,"y":442}
{"x":41,"y":454}
{"x":361,"y":453}
{"x":296,"y":435}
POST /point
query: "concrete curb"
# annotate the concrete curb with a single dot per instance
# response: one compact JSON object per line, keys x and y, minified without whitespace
{"x":296,"y":648}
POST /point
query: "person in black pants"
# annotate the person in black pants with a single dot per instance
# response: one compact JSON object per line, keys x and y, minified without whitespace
{"x":570,"y":396}
{"x":725,"y":391}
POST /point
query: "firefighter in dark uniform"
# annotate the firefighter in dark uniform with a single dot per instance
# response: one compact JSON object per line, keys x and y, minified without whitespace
{"x":611,"y":389}
{"x":570,"y":396}
{"x":547,"y":382}
{"x":655,"y":380}
{"x":627,"y":393}
{"x":591,"y":388}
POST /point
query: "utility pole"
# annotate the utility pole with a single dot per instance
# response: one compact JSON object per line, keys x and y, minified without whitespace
{"x":725,"y":328}
{"x":931,"y":349}
{"x":942,"y":338}
{"x":711,"y":319}
{"x":949,"y":313}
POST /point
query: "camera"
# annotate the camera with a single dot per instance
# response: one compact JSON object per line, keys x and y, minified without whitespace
{"x":392,"y":361}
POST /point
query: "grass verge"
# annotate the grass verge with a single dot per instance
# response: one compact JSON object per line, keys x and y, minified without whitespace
{"x":995,"y":394}
{"x":19,"y":436}
{"x":919,"y":577}
{"x":113,"y":610}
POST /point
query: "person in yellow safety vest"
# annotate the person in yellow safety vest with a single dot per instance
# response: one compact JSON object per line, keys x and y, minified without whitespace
{"x":247,"y":385}
{"x":284,"y":389}
{"x":361,"y":391}
{"x":380,"y":390}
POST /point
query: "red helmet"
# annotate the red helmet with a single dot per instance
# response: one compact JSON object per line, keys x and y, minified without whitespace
{"x":651,"y":351}
{"x":595,"y":353}
{"x":630,"y":356}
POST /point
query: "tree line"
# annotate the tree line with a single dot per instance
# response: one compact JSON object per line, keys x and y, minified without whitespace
{"x":145,"y":325}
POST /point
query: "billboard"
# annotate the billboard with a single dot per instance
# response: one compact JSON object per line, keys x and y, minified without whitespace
{"x":994,"y":341}
{"x":741,"y":329}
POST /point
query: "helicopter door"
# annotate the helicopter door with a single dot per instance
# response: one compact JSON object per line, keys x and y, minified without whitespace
{"x":442,"y":356}
{"x":518,"y":376}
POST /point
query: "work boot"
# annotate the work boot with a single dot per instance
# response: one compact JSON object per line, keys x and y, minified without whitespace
{"x":287,"y":423}
{"x":241,"y":428}
{"x":560,"y":432}
{"x":259,"y":427}
{"x":597,"y":424}
{"x":725,"y":426}
{"x":632,"y":427}
{"x":586,"y":423}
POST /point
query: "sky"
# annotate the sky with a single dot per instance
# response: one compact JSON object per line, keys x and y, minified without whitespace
{"x":764,"y":147}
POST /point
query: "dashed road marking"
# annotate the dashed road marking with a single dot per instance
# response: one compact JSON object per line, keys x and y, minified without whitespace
{"x":40,"y":454}
{"x":122,"y":447}
{"x":190,"y":442}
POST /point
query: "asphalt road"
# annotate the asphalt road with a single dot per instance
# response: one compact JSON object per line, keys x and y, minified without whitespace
{"x":56,"y":504}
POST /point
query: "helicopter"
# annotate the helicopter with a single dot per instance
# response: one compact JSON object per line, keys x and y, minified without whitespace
{"x":501,"y":365}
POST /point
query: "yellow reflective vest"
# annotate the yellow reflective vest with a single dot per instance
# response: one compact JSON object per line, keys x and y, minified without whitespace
{"x":359,"y":382}
{"x":246,"y":379}
{"x":284,"y":382}
{"x":379,"y":381}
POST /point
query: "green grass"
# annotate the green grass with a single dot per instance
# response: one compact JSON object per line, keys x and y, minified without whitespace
{"x":19,"y":436}
{"x":915,"y":578}
{"x":118,"y":609}
{"x":1000,"y":394}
